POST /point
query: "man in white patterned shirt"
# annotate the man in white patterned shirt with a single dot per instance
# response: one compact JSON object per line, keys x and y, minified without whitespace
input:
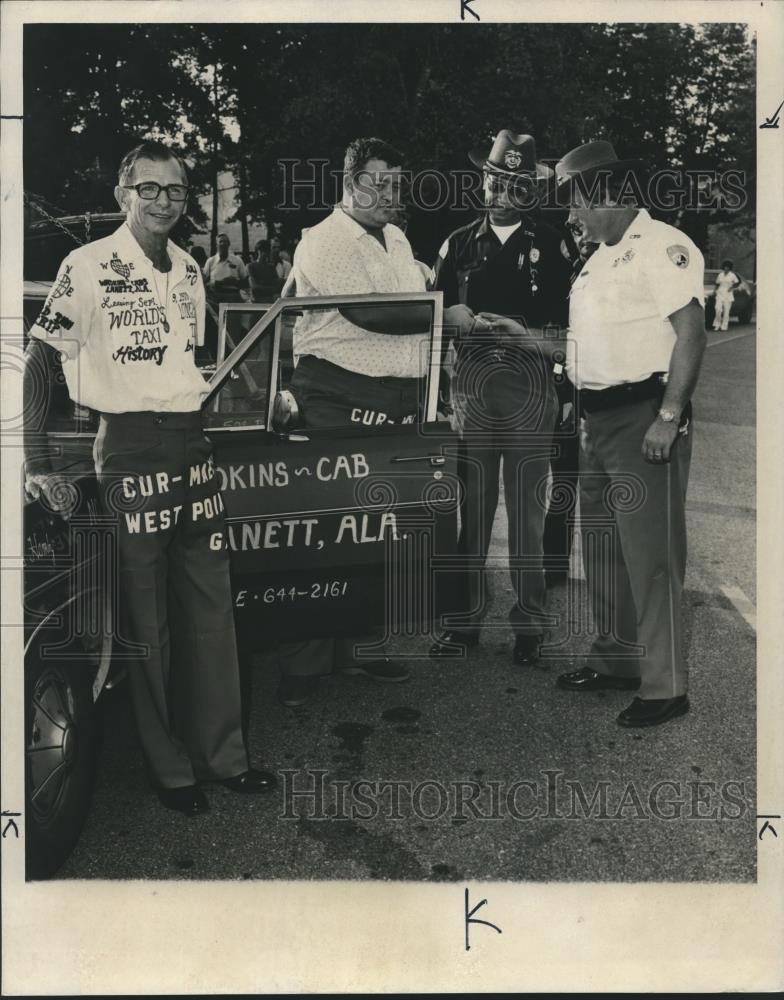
{"x":346,"y":374}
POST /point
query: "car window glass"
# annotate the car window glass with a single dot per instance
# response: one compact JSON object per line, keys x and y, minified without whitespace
{"x":243,"y":398}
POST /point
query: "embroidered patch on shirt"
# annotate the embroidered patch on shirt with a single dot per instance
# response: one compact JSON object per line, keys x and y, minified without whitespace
{"x":679,"y":255}
{"x":624,"y":259}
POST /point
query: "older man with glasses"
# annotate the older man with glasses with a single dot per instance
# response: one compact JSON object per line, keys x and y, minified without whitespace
{"x":124,"y":318}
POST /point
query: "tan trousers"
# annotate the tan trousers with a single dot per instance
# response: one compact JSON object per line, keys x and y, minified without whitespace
{"x":633,"y":526}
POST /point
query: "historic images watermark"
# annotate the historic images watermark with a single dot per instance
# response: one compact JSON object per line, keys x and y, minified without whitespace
{"x":549,"y":795}
{"x":311,"y":184}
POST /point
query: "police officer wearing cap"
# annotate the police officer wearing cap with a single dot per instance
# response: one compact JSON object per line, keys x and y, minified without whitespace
{"x":506,"y":262}
{"x":125,"y":316}
{"x":636,"y":339}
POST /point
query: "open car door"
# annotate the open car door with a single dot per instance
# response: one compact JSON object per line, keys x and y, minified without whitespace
{"x":331,"y":530}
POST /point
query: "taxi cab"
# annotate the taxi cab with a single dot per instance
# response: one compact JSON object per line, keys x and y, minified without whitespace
{"x":327,"y":529}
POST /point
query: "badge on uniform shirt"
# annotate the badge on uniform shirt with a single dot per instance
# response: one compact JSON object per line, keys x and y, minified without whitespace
{"x":679,"y":255}
{"x":512,"y":159}
{"x":533,"y":256}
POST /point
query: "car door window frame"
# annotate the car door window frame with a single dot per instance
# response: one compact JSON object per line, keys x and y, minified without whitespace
{"x":271,"y":320}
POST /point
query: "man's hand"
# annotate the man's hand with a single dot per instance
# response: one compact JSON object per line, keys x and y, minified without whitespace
{"x":658,"y":441}
{"x":504,"y":329}
{"x":459,"y":320}
{"x":56,"y":489}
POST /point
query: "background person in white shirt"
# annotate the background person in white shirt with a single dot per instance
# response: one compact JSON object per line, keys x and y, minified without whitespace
{"x":126,"y":313}
{"x":225,"y":273}
{"x":726,"y":283}
{"x":345,"y":374}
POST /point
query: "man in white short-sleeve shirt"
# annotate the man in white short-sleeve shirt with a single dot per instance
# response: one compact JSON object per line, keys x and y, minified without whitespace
{"x":124,"y":317}
{"x":348,"y":375}
{"x":636,"y":339}
{"x":225,"y":273}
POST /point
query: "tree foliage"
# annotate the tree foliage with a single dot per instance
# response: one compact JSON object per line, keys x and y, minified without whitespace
{"x":244,"y":97}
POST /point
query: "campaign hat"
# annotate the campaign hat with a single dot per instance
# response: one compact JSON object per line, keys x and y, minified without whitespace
{"x":510,"y":154}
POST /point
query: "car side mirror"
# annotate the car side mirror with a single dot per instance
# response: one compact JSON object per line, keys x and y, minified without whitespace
{"x":286,"y":415}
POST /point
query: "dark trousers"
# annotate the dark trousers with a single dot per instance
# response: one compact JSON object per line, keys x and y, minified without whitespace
{"x":506,"y":425}
{"x":155,"y":475}
{"x":633,"y":524}
{"x":564,"y":467}
{"x":331,"y":396}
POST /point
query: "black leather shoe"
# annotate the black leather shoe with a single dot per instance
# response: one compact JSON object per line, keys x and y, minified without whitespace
{"x":187,"y":799}
{"x":250,"y":782}
{"x":586,"y":679}
{"x":526,"y":649}
{"x":444,"y":646}
{"x":653,"y":711}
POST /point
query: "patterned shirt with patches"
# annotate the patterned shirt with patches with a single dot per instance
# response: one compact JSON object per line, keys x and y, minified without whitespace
{"x":126,"y":332}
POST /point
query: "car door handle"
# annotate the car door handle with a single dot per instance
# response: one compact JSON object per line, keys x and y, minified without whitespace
{"x":434,"y":460}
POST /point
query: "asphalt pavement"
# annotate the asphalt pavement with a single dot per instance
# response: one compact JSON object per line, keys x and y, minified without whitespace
{"x":479,"y":769}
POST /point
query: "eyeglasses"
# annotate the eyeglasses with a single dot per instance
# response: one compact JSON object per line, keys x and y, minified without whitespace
{"x":149,"y":190}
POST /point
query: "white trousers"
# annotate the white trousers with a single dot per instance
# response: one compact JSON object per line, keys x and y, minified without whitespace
{"x":721,"y":320}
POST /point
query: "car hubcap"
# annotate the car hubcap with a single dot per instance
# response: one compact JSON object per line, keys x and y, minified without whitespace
{"x":53,"y":742}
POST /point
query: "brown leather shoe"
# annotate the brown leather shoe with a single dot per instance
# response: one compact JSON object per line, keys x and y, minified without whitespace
{"x":586,"y":679}
{"x":653,"y":711}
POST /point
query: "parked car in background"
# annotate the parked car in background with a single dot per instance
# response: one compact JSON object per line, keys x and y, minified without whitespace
{"x":743,"y":301}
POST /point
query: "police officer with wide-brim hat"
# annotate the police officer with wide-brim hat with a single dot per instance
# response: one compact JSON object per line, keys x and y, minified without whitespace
{"x":506,"y":262}
{"x":590,"y":163}
{"x":636,"y":338}
{"x":511,"y":154}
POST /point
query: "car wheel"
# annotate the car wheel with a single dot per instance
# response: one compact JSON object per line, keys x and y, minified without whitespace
{"x":745,"y":316}
{"x":710,"y":313}
{"x":61,"y":756}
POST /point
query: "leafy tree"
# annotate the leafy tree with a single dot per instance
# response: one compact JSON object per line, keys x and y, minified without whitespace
{"x":245,"y":97}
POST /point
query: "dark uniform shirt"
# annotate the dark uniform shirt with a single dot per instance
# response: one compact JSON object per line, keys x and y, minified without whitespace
{"x":527,"y":277}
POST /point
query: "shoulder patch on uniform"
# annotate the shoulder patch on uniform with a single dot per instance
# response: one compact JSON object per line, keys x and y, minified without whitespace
{"x":678,"y":254}
{"x":444,"y":250}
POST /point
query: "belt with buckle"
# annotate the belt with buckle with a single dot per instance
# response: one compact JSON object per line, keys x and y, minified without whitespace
{"x":592,"y":400}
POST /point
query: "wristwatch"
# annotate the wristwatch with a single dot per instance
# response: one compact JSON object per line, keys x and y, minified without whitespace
{"x":667,"y":416}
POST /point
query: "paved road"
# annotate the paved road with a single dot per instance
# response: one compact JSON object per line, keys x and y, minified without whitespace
{"x":486,"y":721}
